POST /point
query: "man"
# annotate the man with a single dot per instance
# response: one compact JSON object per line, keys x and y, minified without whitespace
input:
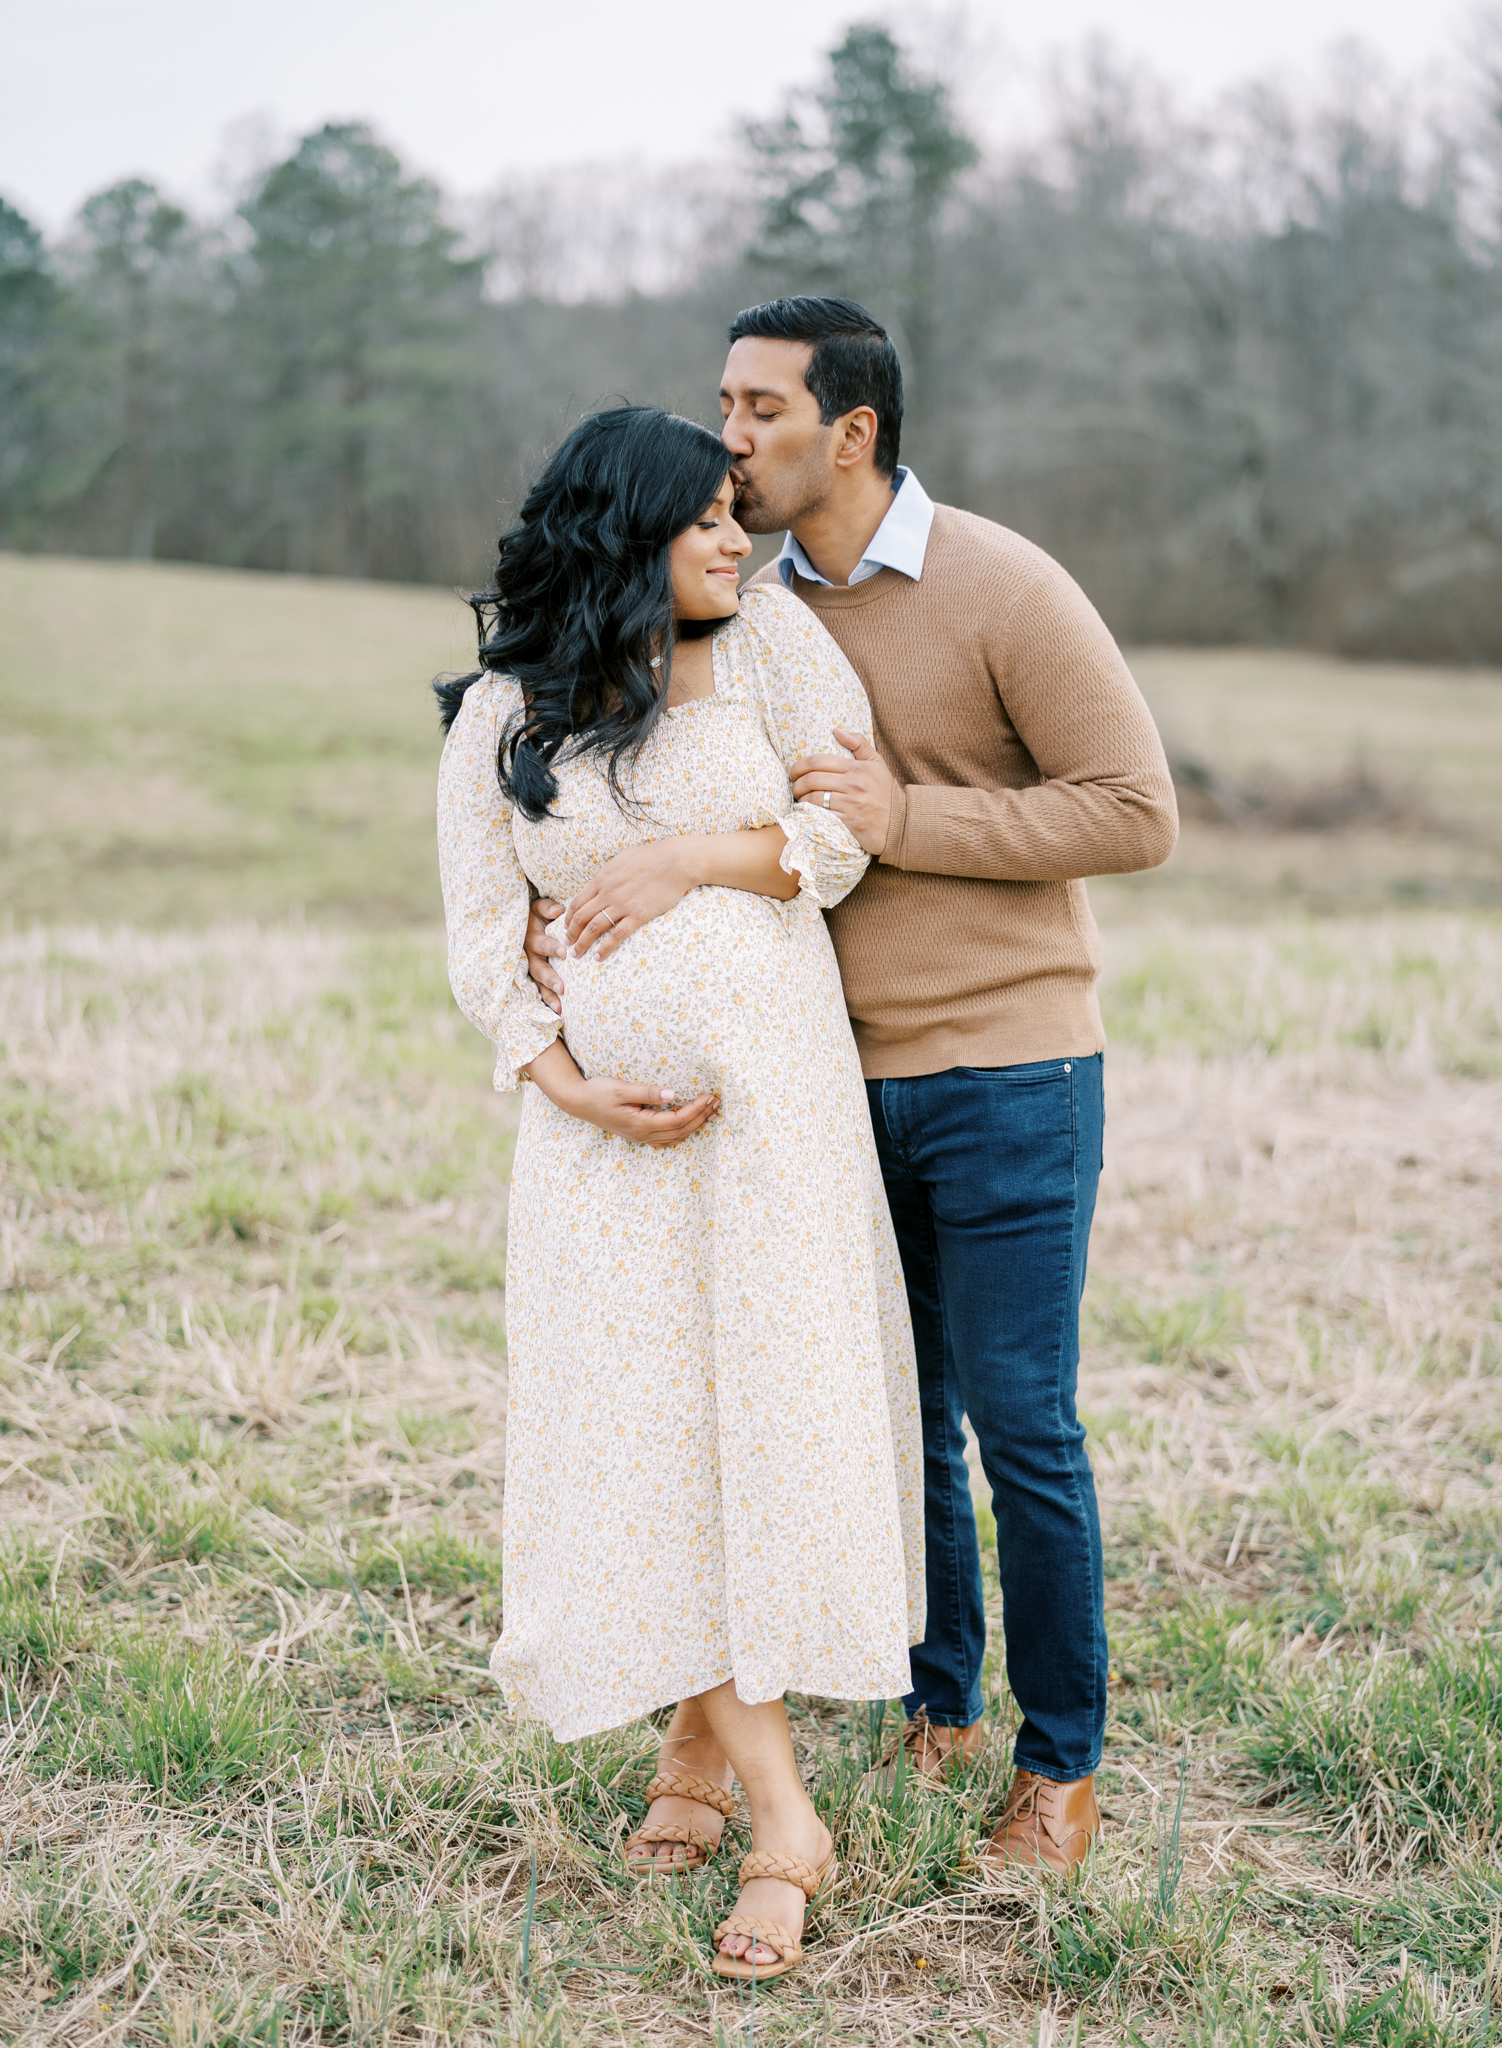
{"x":1013,"y":756}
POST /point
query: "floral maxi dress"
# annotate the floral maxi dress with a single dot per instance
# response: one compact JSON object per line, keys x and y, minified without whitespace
{"x":713,"y":1461}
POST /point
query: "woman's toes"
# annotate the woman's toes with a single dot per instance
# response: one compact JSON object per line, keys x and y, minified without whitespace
{"x":745,"y":1949}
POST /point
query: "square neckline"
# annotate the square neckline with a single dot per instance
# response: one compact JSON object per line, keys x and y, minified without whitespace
{"x":698,"y":703}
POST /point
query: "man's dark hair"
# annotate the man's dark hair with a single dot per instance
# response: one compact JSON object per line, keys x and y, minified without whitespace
{"x":853,"y":361}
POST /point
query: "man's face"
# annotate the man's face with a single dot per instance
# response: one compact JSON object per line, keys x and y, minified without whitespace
{"x":782,"y":465}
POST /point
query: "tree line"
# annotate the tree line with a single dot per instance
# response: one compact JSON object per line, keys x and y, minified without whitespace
{"x":1242,"y":375}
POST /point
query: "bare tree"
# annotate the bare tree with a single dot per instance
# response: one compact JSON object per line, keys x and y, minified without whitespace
{"x":1241,"y":370}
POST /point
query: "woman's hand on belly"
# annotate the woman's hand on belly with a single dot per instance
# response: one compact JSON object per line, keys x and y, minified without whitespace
{"x":637,"y":1110}
{"x":650,"y":880}
{"x":630,"y":890}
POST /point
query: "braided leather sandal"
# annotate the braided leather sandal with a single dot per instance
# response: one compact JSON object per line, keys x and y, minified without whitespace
{"x":676,"y":1785}
{"x":786,"y":1947}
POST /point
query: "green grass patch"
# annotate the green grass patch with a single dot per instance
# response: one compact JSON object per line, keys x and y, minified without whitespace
{"x":163,"y":1515}
{"x":1313,"y":988}
{"x":61,"y":1929}
{"x":1198,"y":1332}
{"x":440,"y":1561}
{"x":1407,"y":2012}
{"x":188,"y":1440}
{"x":40,"y":1628}
{"x":1403,"y":1757}
{"x":241,"y":1205}
{"x":187,"y":1721}
{"x":1220,"y":1660}
{"x":1145,"y":1932}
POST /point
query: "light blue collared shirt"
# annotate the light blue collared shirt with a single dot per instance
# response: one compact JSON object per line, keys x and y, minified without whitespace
{"x":900,"y":542}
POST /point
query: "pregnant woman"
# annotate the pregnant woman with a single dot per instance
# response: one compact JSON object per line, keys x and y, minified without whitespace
{"x":714,"y":1485}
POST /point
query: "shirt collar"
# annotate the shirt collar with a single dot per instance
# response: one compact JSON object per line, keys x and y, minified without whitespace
{"x":900,"y":542}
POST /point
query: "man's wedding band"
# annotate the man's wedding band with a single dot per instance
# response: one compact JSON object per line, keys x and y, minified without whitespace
{"x":826,"y":799}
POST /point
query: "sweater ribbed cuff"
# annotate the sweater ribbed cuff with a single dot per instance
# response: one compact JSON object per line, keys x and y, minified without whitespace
{"x":920,"y":837}
{"x":891,"y":852}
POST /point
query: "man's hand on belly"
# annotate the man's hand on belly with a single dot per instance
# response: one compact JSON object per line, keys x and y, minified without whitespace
{"x":542,"y":950}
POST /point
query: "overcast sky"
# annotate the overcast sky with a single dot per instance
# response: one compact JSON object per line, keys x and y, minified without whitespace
{"x":95,"y":90}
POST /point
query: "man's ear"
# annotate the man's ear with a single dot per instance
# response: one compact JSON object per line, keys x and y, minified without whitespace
{"x":855,"y":437}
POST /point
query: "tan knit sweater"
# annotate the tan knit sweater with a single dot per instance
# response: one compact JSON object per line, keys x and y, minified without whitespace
{"x":1025,"y":759}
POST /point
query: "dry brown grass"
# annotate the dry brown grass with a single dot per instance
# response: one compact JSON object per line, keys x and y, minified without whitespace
{"x":251,"y":1442}
{"x":254,"y":1784}
{"x":1321,"y":785}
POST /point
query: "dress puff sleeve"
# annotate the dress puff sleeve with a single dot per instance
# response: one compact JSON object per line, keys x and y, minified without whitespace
{"x":807,"y":689}
{"x":486,"y":897}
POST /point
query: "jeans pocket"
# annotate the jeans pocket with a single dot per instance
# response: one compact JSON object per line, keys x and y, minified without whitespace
{"x":1036,"y":1074}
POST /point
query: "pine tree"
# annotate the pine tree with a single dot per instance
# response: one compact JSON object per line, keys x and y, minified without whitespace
{"x":363,"y":317}
{"x":31,"y":310}
{"x":856,"y":176}
{"x":133,"y":239}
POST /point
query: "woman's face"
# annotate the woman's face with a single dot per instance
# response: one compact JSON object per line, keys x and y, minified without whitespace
{"x":705,"y":561}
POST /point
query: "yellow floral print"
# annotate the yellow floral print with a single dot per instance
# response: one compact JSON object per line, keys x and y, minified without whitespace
{"x":713,"y":1463}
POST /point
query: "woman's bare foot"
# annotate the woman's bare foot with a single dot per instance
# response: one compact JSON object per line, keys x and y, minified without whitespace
{"x":688,"y":1746}
{"x":800,"y":1833}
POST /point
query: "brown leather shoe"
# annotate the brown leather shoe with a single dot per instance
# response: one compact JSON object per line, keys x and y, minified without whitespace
{"x":931,"y":1751}
{"x":1045,"y":1825}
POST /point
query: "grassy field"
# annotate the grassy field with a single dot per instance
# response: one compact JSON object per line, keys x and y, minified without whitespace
{"x":255,"y":1785}
{"x":182,"y":745}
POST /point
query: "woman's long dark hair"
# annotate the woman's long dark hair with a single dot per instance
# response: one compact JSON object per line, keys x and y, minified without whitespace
{"x":582,"y":597}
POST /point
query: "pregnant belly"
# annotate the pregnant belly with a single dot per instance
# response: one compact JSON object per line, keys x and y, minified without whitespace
{"x":695,"y":999}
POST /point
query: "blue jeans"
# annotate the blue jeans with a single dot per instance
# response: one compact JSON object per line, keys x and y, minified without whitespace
{"x":991,"y":1175}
